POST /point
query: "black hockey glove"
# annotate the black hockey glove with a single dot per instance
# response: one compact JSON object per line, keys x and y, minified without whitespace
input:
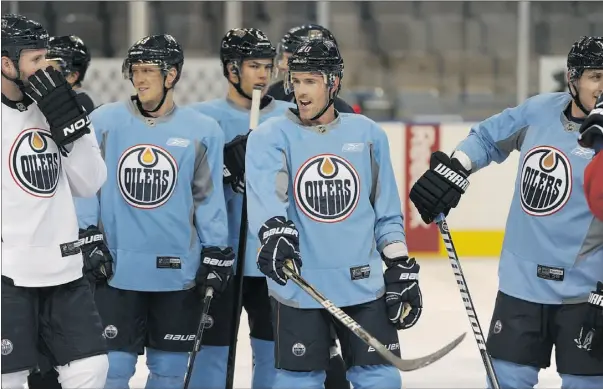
{"x":440,"y":188}
{"x":98,"y":263}
{"x":234,"y":163}
{"x":591,"y":130}
{"x":67,"y":119}
{"x":591,"y":333}
{"x":402,"y":293}
{"x":280,"y":242}
{"x":215,"y":270}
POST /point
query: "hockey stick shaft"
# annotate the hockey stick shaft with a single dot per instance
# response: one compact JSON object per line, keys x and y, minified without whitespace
{"x":254,"y":118}
{"x":352,"y":325}
{"x":466,"y":296}
{"x":209,"y":294}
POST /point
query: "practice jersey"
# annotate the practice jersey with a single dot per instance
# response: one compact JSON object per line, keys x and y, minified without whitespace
{"x":593,"y":185}
{"x":336,"y":183}
{"x":39,"y":224}
{"x":553,"y":247}
{"x":277,"y":90}
{"x":234,"y":121}
{"x":163,"y":201}
{"x":84,"y":204}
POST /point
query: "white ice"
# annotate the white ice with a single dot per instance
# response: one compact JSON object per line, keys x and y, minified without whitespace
{"x":444,"y":317}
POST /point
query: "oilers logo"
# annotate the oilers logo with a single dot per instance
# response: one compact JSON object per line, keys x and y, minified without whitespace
{"x":327,"y":188}
{"x":35,"y":163}
{"x":146,"y":176}
{"x":546,"y":181}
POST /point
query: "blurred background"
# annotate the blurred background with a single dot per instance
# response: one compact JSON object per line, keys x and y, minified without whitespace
{"x":434,"y":61}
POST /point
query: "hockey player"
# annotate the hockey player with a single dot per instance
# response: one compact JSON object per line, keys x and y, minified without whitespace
{"x":70,"y":55}
{"x":247,"y":57}
{"x":289,"y":43}
{"x":591,"y":136}
{"x":313,"y":177}
{"x":161,"y":210}
{"x":552,"y":256}
{"x":51,"y":154}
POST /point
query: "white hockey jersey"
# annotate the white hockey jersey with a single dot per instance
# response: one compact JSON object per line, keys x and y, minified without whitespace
{"x":39,"y":224}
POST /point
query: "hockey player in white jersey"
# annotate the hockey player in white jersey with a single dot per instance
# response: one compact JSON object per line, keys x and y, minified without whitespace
{"x":50,"y":154}
{"x":247,"y":57}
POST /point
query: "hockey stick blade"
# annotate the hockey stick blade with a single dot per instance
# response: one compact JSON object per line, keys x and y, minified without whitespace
{"x":352,"y":325}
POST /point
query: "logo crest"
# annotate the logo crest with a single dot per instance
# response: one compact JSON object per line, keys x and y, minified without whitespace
{"x":327,"y":188}
{"x":546,"y":181}
{"x":146,"y":176}
{"x":35,"y":163}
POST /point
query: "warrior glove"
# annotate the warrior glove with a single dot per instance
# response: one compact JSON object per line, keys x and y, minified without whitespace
{"x":591,"y":130}
{"x":234,"y":163}
{"x":591,"y":333}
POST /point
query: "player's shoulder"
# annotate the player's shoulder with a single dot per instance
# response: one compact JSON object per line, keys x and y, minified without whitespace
{"x":357,"y":119}
{"x":281,"y":106}
{"x":209,"y":106}
{"x":271,"y":128}
{"x":555,"y":100}
{"x":110,"y":113}
{"x":201,"y":123}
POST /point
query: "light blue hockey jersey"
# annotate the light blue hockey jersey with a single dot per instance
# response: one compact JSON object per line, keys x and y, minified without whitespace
{"x":336,"y":183}
{"x":234,"y":121}
{"x":163,"y":199}
{"x":553,"y":247}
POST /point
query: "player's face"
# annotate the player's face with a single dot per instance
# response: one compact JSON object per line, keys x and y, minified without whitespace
{"x":590,"y":86}
{"x":256,"y":72}
{"x":148,"y":81}
{"x":310,"y":93}
{"x":31,"y":61}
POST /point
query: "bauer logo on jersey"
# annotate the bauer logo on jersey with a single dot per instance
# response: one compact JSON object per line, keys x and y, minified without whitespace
{"x":327,"y":188}
{"x":546,"y":181}
{"x":147,"y":176}
{"x":35,"y":163}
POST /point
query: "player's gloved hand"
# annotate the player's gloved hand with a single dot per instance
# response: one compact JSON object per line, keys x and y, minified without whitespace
{"x":280,"y":242}
{"x":591,"y":130}
{"x":98,"y":262}
{"x":593,"y":324}
{"x":215,"y":270}
{"x":56,"y":100}
{"x":402,"y":293}
{"x":234,"y":163}
{"x":440,"y":188}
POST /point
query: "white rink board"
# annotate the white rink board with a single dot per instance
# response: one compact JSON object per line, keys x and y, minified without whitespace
{"x":460,"y":369}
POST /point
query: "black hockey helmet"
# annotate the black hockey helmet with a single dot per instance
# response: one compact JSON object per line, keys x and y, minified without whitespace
{"x":240,"y":44}
{"x":71,"y":53}
{"x":586,"y":53}
{"x":300,"y":34}
{"x":20,"y":33}
{"x":161,"y":50}
{"x":320,"y":56}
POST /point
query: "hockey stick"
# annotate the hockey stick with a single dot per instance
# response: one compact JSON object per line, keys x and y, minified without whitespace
{"x":352,"y":325}
{"x":462,"y":284}
{"x":209,"y":294}
{"x":254,"y":118}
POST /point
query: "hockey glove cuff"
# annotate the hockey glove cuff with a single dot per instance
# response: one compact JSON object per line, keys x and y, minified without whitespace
{"x":56,"y":100}
{"x":215,"y":270}
{"x":98,"y":262}
{"x":591,"y":333}
{"x":280,"y":242}
{"x":234,"y":163}
{"x":402,"y":293}
{"x":591,"y":130}
{"x":440,"y":188}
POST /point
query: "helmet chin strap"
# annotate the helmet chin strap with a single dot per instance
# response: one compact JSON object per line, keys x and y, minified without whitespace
{"x":576,"y":98}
